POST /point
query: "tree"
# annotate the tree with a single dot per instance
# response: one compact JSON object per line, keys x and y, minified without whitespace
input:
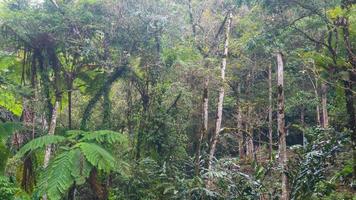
{"x":281,"y":126}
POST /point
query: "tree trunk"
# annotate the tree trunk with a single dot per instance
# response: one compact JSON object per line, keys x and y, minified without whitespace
{"x":302,"y":123}
{"x":270,"y":131}
{"x":281,"y":127}
{"x":129,"y":112}
{"x":106,"y":110}
{"x":52,"y":128}
{"x":215,"y":136}
{"x":249,"y":130}
{"x":318,"y":103}
{"x":249,"y":126}
{"x":239,"y":123}
{"x":69,"y":93}
{"x":204,"y":129}
{"x":100,"y":191}
{"x":324,"y":105}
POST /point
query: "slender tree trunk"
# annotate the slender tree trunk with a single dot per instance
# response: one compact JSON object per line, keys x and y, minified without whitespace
{"x":316,"y":87}
{"x":249,"y":129}
{"x":324,"y":105}
{"x":204,"y":129}
{"x":106,"y":110}
{"x":239,"y":123}
{"x":52,"y":128}
{"x":281,"y":127}
{"x":302,"y":123}
{"x":205,"y":105}
{"x":215,"y":136}
{"x":318,"y":102}
{"x":270,"y":131}
{"x":69,"y":93}
{"x":129,"y":110}
{"x":249,"y":126}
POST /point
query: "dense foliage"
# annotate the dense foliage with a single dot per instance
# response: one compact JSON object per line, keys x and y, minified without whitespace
{"x":177,"y":99}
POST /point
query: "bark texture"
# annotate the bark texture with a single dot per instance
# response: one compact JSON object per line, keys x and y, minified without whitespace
{"x":270,"y":131}
{"x":221,"y":93}
{"x":281,"y":127}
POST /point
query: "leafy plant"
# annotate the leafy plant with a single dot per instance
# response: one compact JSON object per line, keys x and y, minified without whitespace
{"x":78,"y":153}
{"x":308,"y":171}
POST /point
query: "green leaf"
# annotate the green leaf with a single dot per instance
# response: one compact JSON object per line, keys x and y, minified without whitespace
{"x":57,"y":177}
{"x":97,"y":156}
{"x":40,"y":142}
{"x":81,"y":168}
{"x":106,"y":136}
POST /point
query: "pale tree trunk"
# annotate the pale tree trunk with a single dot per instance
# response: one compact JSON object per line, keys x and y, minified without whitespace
{"x":221,"y":94}
{"x":52,"y":128}
{"x":270,"y":131}
{"x":239,"y":123}
{"x":249,"y":130}
{"x":302,"y":123}
{"x":281,"y":127}
{"x":205,"y":105}
{"x":205,"y":101}
{"x":318,"y":103}
{"x":249,"y":126}
{"x":204,"y":129}
{"x":129,"y":111}
{"x":324,"y":105}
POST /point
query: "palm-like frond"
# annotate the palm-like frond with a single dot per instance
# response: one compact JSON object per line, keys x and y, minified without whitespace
{"x":40,"y":142}
{"x":61,"y":174}
{"x":107,"y":136}
{"x":97,"y":156}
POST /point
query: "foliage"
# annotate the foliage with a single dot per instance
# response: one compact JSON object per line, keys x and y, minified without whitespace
{"x":132,"y":76}
{"x":308,"y":173}
{"x":9,"y":190}
{"x":78,"y":153}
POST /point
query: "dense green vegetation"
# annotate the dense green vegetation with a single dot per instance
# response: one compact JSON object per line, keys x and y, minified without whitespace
{"x":177,"y":99}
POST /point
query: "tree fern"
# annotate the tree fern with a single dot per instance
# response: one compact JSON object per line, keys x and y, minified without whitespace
{"x":40,"y":142}
{"x":80,"y":152}
{"x":97,"y":156}
{"x":75,"y":134}
{"x":61,"y":174}
{"x":107,"y":136}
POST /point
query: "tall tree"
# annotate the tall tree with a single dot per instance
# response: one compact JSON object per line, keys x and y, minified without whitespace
{"x":270,"y":119}
{"x":281,"y":126}
{"x":219,"y":113}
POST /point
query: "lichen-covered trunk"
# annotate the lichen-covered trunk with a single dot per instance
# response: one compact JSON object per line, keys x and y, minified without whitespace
{"x":52,"y":128}
{"x":204,"y":128}
{"x":240,"y":137}
{"x":249,"y":126}
{"x":221,"y":94}
{"x":270,"y":131}
{"x":317,"y":103}
{"x":281,"y":127}
{"x":324,"y":105}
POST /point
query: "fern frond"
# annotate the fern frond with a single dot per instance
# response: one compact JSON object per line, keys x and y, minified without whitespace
{"x":57,"y":178}
{"x":40,"y":142}
{"x":106,"y":136}
{"x":81,"y":168}
{"x":97,"y":156}
{"x":75,"y":134}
